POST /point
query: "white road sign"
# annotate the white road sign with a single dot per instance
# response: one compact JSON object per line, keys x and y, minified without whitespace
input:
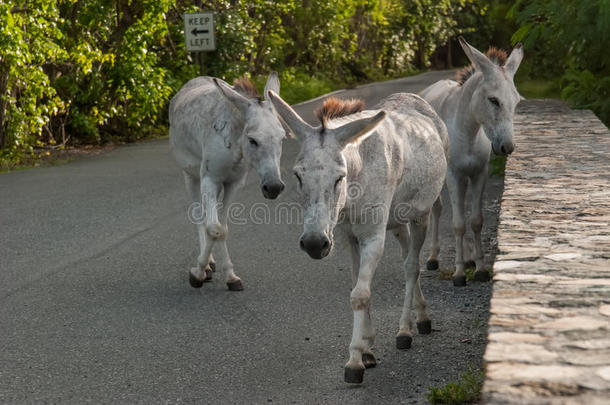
{"x":199,"y":32}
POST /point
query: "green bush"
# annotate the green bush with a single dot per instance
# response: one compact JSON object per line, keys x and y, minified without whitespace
{"x":297,"y":86}
{"x":565,"y":39}
{"x":28,"y":41}
{"x":88,"y":72}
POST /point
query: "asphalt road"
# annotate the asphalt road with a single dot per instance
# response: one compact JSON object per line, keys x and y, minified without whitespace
{"x":95,"y":303}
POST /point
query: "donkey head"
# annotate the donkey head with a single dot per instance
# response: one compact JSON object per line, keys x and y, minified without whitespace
{"x":494,"y":101}
{"x":320,"y":170}
{"x":262,"y":136}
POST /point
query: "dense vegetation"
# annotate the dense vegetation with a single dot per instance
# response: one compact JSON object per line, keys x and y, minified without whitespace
{"x":91,"y":71}
{"x":568,"y":40}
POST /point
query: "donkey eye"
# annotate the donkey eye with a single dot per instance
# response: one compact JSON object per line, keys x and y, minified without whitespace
{"x":299,"y":179}
{"x":252,"y":142}
{"x":494,"y":101}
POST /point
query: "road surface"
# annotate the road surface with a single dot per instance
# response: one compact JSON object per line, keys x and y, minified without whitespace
{"x":95,"y":304}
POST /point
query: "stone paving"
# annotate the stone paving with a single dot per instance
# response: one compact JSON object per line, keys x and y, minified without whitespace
{"x":549,"y":330}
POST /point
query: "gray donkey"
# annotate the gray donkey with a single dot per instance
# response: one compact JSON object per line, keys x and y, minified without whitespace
{"x":217,"y":132}
{"x":367,"y":172}
{"x":478,"y":111}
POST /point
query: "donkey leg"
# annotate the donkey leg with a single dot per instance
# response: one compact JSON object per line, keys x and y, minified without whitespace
{"x":193,"y":188}
{"x":363,"y":334}
{"x":368,"y":358}
{"x":402,"y":235}
{"x":198,"y":275}
{"x":435,"y":247}
{"x":424,"y":325}
{"x":457,"y":190}
{"x":418,"y":235}
{"x":355,"y":253}
{"x":233,"y":281}
{"x":210,"y":193}
{"x":467,"y":251}
{"x":208,"y":231}
{"x":476,"y":223}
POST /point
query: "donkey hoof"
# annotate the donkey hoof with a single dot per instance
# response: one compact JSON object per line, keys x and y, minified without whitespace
{"x":403,"y":342}
{"x":481,"y":275}
{"x":354,"y":375}
{"x":208,"y":275}
{"x":469,"y":264}
{"x":194,"y":282}
{"x":432,"y":264}
{"x":369,"y":360}
{"x":212,"y":266}
{"x":459,"y":281}
{"x":424,"y":327}
{"x":235,"y":285}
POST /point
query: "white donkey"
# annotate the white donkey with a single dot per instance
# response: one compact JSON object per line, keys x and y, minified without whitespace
{"x":216,"y":133}
{"x":368,"y":172}
{"x":478,"y":110}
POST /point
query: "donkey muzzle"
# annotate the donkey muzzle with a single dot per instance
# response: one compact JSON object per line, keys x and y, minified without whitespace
{"x":503,"y":148}
{"x":316,"y":245}
{"x":272,"y":189}
{"x":507,"y":148}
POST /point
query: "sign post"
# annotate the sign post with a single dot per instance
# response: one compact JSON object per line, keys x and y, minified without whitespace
{"x":199,"y":34}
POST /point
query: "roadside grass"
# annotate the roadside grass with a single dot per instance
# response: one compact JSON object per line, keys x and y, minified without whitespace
{"x":32,"y":162}
{"x":497,"y":164}
{"x":296,"y":86}
{"x":52,"y":157}
{"x":530,"y":86}
{"x":538,"y":88}
{"x":469,"y":273}
{"x":447,"y":274}
{"x":467,"y":389}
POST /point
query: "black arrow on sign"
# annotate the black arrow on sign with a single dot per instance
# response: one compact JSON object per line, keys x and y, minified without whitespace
{"x":195,"y":31}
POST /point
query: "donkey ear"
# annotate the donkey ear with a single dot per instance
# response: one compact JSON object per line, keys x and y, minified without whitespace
{"x":477,"y":58}
{"x":514,"y":60}
{"x":295,"y":123}
{"x":240,"y":102}
{"x":358,"y":130}
{"x":273,"y":83}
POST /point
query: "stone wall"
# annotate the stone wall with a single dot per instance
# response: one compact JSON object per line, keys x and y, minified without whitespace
{"x":549,"y":330}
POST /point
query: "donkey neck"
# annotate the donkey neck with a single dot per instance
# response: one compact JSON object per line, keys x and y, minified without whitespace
{"x":464,"y":120}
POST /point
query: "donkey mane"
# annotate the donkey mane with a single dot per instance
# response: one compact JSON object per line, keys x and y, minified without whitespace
{"x":336,"y":108}
{"x":244,"y":86}
{"x":496,"y":55}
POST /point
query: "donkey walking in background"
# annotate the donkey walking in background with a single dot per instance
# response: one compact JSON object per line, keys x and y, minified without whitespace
{"x":478,"y":110}
{"x":216,"y":133}
{"x":393,"y":161}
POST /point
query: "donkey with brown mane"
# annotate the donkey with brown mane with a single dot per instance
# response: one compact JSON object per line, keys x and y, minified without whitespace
{"x":478,"y":110}
{"x":393,"y":160}
{"x":217,"y":132}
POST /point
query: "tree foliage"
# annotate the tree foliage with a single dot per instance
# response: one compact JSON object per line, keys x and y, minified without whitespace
{"x":88,"y":71}
{"x":84,"y":70}
{"x":29,"y":37}
{"x":568,"y":38}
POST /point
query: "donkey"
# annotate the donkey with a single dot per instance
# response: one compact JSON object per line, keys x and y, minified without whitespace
{"x":217,"y":132}
{"x":478,"y":110}
{"x":366,"y":172}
